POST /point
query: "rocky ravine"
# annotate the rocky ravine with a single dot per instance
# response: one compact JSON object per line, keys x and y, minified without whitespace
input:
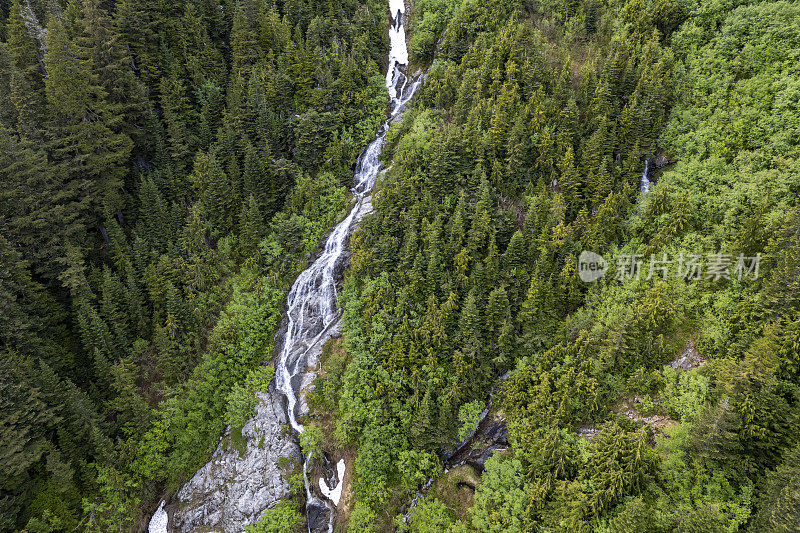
{"x":231,"y":491}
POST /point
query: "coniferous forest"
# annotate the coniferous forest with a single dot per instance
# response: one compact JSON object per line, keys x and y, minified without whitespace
{"x":169,"y":168}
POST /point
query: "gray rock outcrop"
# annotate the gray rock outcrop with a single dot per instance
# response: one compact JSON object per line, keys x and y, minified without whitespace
{"x":232,"y":490}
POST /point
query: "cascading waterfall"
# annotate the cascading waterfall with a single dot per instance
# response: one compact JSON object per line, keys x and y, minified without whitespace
{"x":312,"y":317}
{"x":644,"y":184}
{"x":312,"y":305}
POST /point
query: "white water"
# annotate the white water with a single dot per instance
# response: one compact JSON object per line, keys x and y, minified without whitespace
{"x":395,"y":6}
{"x":398,"y":53}
{"x":312,"y":304}
{"x":311,"y":307}
{"x":645,"y":182}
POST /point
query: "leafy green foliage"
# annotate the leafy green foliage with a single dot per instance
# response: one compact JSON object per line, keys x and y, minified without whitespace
{"x":501,"y":498}
{"x":311,"y":441}
{"x":283,"y":518}
{"x":430,"y":516}
{"x":242,"y":399}
{"x":167,"y":169}
{"x":469,"y":416}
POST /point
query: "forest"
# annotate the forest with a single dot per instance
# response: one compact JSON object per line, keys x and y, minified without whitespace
{"x":167,"y":169}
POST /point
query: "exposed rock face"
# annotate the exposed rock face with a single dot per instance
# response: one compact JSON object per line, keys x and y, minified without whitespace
{"x":231,"y":491}
{"x":493,"y":437}
{"x":35,"y":30}
{"x":689,"y":359}
{"x":318,"y":515}
{"x":588,"y":432}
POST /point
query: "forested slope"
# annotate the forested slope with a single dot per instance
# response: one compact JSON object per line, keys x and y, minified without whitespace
{"x":524,"y":148}
{"x":165,"y":167}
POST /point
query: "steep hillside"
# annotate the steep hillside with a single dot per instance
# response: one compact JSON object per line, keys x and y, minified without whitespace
{"x":660,"y":397}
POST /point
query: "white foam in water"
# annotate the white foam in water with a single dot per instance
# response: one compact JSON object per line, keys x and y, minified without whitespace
{"x":398,"y":51}
{"x":645,"y":181}
{"x":334,"y":494}
{"x":311,"y":304}
{"x":158,"y":524}
{"x":397,"y":36}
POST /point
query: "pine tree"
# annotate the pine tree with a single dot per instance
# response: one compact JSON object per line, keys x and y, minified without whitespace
{"x":215,"y":195}
{"x":129,"y":409}
{"x":519,"y":149}
{"x":505,"y":108}
{"x":537,"y":314}
{"x":135,"y":303}
{"x":199,"y":53}
{"x":779,"y":502}
{"x":424,"y":429}
{"x":478,"y":231}
{"x":109,"y":61}
{"x":153,"y":218}
{"x":496,"y":309}
{"x":251,"y":227}
{"x":514,"y":258}
{"x":194,"y":239}
{"x":27,"y":75}
{"x":96,"y":337}
{"x":212,"y":104}
{"x":25,"y":421}
{"x":81,"y":130}
{"x":456,"y":227}
{"x":445,"y":162}
{"x":506,"y":344}
{"x":177,"y":317}
{"x":180,"y":118}
{"x":137,"y":24}
{"x":470,"y":320}
{"x":42,"y":212}
{"x":491,"y":270}
{"x":244,"y":39}
{"x":111,"y":310}
{"x":569,"y":180}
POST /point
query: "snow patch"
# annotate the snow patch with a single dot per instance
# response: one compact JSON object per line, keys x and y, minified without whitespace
{"x":158,"y":524}
{"x":395,"y":6}
{"x":397,"y":38}
{"x":334,"y":494}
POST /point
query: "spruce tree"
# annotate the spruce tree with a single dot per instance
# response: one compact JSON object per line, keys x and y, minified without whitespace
{"x":82,"y":130}
{"x":180,"y":119}
{"x":26,"y":52}
{"x":251,"y":224}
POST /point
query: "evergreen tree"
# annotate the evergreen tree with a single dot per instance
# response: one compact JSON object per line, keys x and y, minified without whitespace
{"x":180,"y":117}
{"x":252,"y":227}
{"x":244,"y":37}
{"x":26,"y":52}
{"x":82,"y":138}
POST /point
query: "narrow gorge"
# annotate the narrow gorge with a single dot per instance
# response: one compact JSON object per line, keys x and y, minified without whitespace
{"x":235,"y":487}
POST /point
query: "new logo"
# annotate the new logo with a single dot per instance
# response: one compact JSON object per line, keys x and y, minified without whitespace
{"x":591,"y":266}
